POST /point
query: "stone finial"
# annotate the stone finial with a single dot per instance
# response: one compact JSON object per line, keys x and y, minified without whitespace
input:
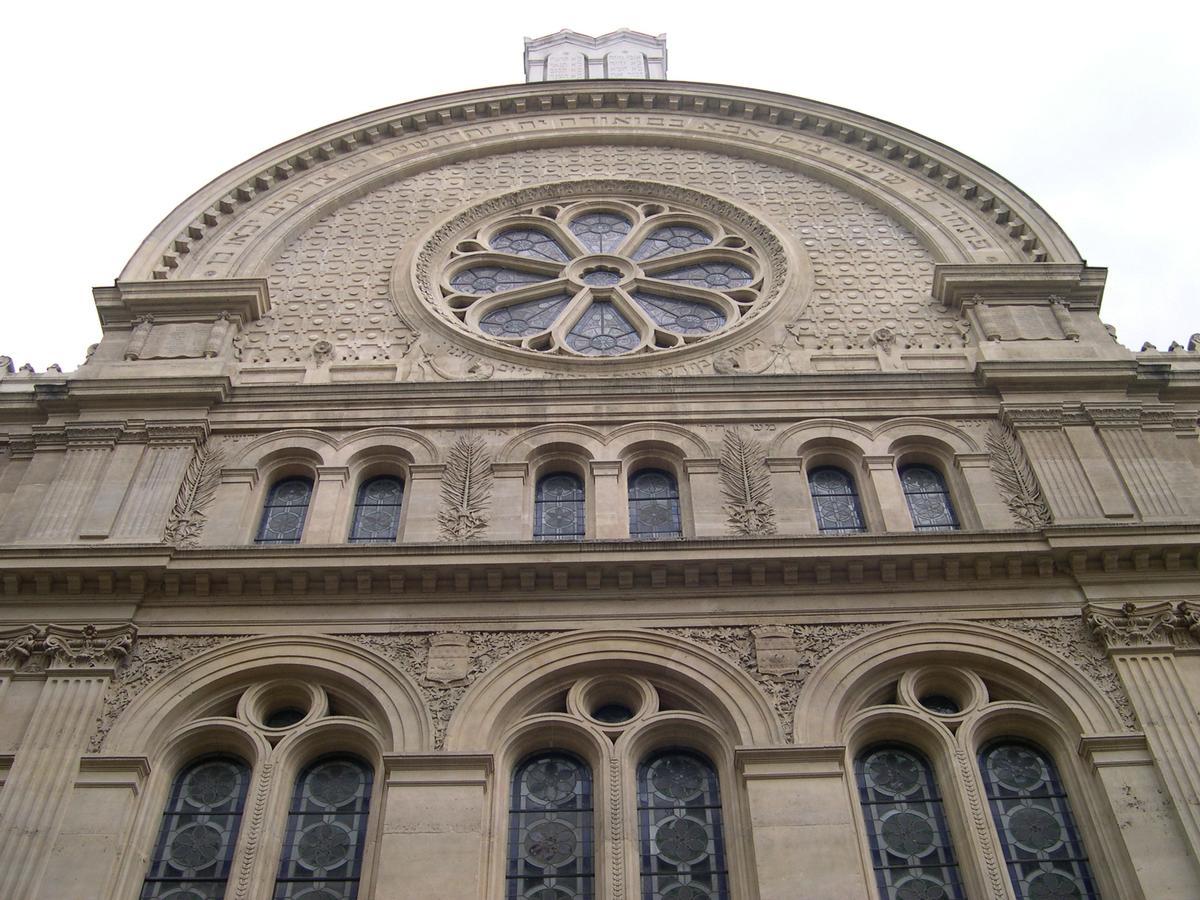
{"x":570,"y":56}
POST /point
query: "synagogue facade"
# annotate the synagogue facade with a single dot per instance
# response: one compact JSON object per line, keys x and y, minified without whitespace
{"x":602,"y":487}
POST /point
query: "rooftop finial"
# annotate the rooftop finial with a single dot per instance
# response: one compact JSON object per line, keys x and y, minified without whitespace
{"x":570,"y":56}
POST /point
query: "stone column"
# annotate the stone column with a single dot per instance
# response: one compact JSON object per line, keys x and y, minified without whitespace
{"x":886,"y":482}
{"x":423,"y":496}
{"x":508,"y":519}
{"x":803,"y":823}
{"x":78,"y":665}
{"x":609,"y":502}
{"x":708,"y":503}
{"x":1141,"y":642}
{"x":435,"y":812}
{"x":322,"y":524}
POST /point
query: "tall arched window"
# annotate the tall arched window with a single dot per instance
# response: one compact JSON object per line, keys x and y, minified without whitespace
{"x":928,"y":499}
{"x":284,"y":512}
{"x":906,"y":826}
{"x":682,"y":849}
{"x":550,"y":830}
{"x":654,"y":506}
{"x":835,"y":501}
{"x":199,"y":830}
{"x":377,"y":510}
{"x":1042,"y":848}
{"x":326,"y":831}
{"x":558,"y":513}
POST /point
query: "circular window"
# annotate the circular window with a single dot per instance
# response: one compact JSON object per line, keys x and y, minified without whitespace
{"x":601,"y":273}
{"x":612,"y":713}
{"x":940,"y":704}
{"x":284,"y":717}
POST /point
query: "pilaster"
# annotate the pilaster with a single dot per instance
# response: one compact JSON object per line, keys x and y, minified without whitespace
{"x":510,"y":502}
{"x":611,"y":505}
{"x":793,"y":503}
{"x":423,"y":494}
{"x":227,"y":522}
{"x":993,"y":512}
{"x":88,"y":451}
{"x":322,"y":521}
{"x":886,"y":482}
{"x":708,"y":503}
{"x":155,"y":485}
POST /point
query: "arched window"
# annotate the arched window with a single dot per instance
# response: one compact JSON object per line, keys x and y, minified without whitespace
{"x":1042,"y":848}
{"x":550,"y":829}
{"x":326,"y":830}
{"x":682,"y":850}
{"x":835,"y":501}
{"x":199,"y":830}
{"x":906,"y":826}
{"x":654,"y":506}
{"x":284,"y":512}
{"x":377,"y":510}
{"x":558,"y":513}
{"x":928,"y":499}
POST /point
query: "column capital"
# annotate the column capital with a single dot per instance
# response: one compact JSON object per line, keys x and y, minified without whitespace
{"x":1133,"y":627}
{"x":60,"y":648}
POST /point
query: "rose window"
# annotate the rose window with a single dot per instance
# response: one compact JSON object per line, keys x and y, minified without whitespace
{"x":601,"y":279}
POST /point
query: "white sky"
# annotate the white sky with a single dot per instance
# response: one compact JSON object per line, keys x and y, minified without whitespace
{"x":117,"y":111}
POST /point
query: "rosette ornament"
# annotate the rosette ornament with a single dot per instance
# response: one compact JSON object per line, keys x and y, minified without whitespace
{"x":601,"y":278}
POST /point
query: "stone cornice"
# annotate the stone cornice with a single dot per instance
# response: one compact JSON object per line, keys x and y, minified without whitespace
{"x":1031,"y":231}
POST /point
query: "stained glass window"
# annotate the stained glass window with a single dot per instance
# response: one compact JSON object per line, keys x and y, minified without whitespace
{"x":682,"y":850}
{"x":326,"y":828}
{"x":683,"y":316}
{"x":284,"y":512}
{"x":377,"y":510}
{"x":600,"y":232}
{"x":558,"y":513}
{"x":906,"y":826}
{"x":718,"y":276}
{"x":199,"y":831}
{"x":654,"y":506}
{"x":672,"y":239}
{"x":928,"y":499}
{"x":529,"y":242}
{"x":602,"y":331}
{"x":524,"y":319}
{"x":1045,"y":856}
{"x":489,"y":279}
{"x":835,"y":501}
{"x":550,"y":830}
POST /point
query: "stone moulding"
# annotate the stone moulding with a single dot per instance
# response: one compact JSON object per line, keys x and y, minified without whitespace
{"x":1031,"y":233}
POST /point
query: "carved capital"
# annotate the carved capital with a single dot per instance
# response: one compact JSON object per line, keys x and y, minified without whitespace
{"x":1115,"y":416}
{"x":176,"y":434}
{"x":1131,"y":626}
{"x":66,"y":647}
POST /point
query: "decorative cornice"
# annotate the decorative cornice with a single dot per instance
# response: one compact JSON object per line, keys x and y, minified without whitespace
{"x":63,"y":647}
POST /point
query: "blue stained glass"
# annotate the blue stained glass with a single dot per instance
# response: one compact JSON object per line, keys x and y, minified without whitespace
{"x":524,"y":319}
{"x":906,"y":826}
{"x":199,"y":831}
{"x":718,"y":276}
{"x":489,"y":279}
{"x":654,"y":506}
{"x":377,"y":510}
{"x":682,"y":316}
{"x":285,"y":511}
{"x":835,"y":501}
{"x":529,"y":242}
{"x":600,"y":232}
{"x":602,"y":331}
{"x":928,"y":499}
{"x":550,"y":830}
{"x":670,"y":240}
{"x":1045,"y":855}
{"x":681,"y":845}
{"x":558,"y":513}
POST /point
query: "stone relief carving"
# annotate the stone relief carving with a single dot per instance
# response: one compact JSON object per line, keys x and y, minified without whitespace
{"x":1150,"y":625}
{"x":1015,"y":478}
{"x":199,"y":486}
{"x":38,"y":647}
{"x":812,"y":644}
{"x":449,"y":657}
{"x":466,"y":488}
{"x":1069,"y":638}
{"x":150,"y":659}
{"x":447,"y":367}
{"x":746,"y":484}
{"x":332,"y":281}
{"x":411,"y":653}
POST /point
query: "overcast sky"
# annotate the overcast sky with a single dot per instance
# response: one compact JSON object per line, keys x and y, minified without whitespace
{"x":115,"y":112}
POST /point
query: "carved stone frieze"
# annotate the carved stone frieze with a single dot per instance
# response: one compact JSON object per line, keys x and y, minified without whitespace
{"x":1070,"y":638}
{"x":466,"y":488}
{"x":746,"y":484}
{"x":150,"y":659}
{"x":38,"y":647}
{"x":411,"y":652}
{"x":199,"y":486}
{"x":1015,"y":478}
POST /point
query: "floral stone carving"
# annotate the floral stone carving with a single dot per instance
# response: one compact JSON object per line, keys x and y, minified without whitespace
{"x":466,"y":486}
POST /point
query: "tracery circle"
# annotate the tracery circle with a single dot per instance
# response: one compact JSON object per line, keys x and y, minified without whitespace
{"x":604,"y":275}
{"x":1018,"y":768}
{"x":677,"y":777}
{"x":550,"y":843}
{"x":195,"y":847}
{"x":1054,"y":886}
{"x":324,"y":845}
{"x":552,"y":781}
{"x":1035,"y":829}
{"x":681,"y":840}
{"x":893,"y":772}
{"x":687,"y":892}
{"x":921,"y":889}
{"x":907,"y":834}
{"x":335,"y":783}
{"x":211,"y":784}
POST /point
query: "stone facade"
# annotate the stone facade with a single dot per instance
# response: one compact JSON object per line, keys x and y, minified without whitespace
{"x":913,"y":499}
